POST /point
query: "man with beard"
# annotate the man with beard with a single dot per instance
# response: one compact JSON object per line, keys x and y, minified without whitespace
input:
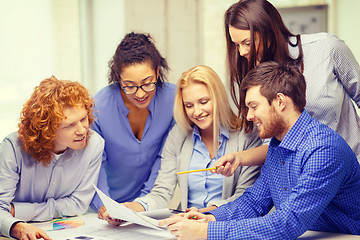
{"x":310,"y":175}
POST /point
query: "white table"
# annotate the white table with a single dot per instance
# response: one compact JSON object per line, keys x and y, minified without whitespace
{"x":96,"y":229}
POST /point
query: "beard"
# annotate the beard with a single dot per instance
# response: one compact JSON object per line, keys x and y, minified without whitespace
{"x":273,"y":127}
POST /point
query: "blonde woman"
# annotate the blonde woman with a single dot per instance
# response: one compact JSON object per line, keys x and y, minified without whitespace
{"x":206,"y":129}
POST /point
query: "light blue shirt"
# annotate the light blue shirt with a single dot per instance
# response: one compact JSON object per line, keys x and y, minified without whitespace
{"x":332,"y":77}
{"x":311,"y":177}
{"x":205,"y":186}
{"x":64,"y":188}
{"x":129,"y":166}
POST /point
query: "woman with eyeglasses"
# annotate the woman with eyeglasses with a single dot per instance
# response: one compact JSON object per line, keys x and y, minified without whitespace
{"x":133,"y":115}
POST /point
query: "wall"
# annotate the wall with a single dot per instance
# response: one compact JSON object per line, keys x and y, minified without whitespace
{"x":175,"y":27}
{"x":76,"y":39}
{"x":102,"y":28}
{"x":36,"y":41}
{"x":347,"y":19}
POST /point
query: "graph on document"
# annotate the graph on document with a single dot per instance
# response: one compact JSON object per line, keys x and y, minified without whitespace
{"x":61,"y":224}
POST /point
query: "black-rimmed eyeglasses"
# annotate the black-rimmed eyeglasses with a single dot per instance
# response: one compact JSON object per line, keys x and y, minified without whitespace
{"x":147,"y":87}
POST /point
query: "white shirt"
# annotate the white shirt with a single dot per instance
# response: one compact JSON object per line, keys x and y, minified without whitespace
{"x":64,"y":188}
{"x":332,"y":76}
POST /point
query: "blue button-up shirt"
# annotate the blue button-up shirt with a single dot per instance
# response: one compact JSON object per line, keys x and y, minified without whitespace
{"x":205,"y":186}
{"x":312,"y":177}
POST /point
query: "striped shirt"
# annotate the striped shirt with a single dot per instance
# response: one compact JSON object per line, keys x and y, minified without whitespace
{"x":332,"y":77}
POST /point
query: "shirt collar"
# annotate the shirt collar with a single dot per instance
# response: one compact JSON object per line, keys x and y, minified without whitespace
{"x":224,"y":134}
{"x":293,"y":138}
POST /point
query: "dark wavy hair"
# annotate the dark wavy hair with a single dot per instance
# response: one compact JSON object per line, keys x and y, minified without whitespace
{"x":274,"y":78}
{"x":43,"y":113}
{"x":258,"y":16}
{"x":137,"y":48}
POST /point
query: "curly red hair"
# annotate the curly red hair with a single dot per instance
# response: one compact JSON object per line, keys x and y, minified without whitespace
{"x":43,"y":113}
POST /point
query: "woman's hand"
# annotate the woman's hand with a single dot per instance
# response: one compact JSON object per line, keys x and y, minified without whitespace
{"x":135,"y":206}
{"x":104,"y":215}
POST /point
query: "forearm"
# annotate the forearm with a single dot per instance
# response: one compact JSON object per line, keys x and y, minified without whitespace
{"x":252,"y":157}
{"x":6,"y":221}
{"x":208,"y":209}
{"x":166,"y":180}
{"x":254,"y":228}
{"x":50,"y":209}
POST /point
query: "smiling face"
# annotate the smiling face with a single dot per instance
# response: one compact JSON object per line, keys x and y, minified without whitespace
{"x":198,"y":105}
{"x":137,"y":75}
{"x":268,"y":121}
{"x":72,"y":131}
{"x":241,"y":38}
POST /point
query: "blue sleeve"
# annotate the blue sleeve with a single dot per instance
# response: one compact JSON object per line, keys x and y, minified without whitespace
{"x":148,"y":185}
{"x":256,"y":201}
{"x":102,"y":184}
{"x":9,"y":177}
{"x":318,"y":184}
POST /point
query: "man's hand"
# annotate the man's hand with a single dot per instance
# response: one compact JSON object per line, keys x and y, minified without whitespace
{"x":135,"y":206}
{"x":227,"y":164}
{"x":184,"y":228}
{"x":25,"y":231}
{"x":103,"y":214}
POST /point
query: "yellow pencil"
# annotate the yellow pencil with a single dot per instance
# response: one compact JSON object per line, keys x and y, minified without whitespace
{"x":199,"y":170}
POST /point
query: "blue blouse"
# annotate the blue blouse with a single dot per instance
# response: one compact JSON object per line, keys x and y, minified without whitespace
{"x":129,"y":166}
{"x":205,"y":186}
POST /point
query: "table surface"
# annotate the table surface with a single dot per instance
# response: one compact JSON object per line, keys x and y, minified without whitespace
{"x":99,"y":229}
{"x":309,"y":235}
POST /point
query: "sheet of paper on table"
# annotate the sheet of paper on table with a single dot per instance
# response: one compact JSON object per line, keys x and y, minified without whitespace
{"x":116,"y":210}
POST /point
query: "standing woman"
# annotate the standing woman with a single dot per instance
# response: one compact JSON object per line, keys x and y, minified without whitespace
{"x":134,"y":116}
{"x":256,"y":33}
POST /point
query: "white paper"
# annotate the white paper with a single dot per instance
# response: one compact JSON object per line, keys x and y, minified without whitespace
{"x":158,"y":213}
{"x":116,"y":210}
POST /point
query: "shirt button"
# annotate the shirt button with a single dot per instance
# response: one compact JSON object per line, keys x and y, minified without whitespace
{"x":52,"y":182}
{"x":284,"y":188}
{"x":283,"y":162}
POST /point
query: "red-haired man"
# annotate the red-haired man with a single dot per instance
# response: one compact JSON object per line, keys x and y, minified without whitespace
{"x":48,"y":167}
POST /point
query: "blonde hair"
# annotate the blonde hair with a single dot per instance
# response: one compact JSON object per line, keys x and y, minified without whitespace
{"x":222,"y":112}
